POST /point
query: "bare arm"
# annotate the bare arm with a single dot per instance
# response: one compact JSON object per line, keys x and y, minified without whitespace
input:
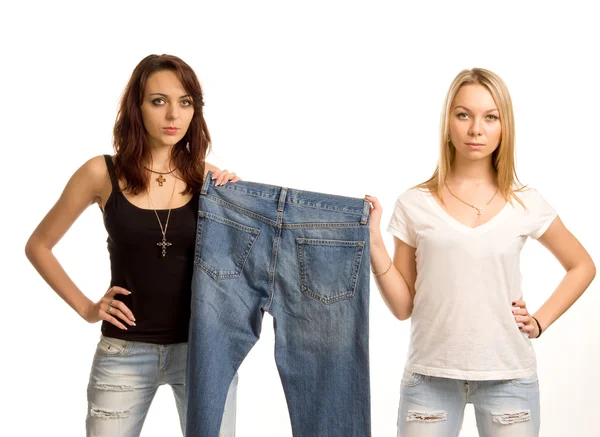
{"x":87,"y":186}
{"x":395,"y":280}
{"x":579,"y":267}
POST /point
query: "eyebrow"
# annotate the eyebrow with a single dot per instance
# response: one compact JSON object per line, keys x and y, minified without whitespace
{"x":464,"y":107}
{"x":164,"y":95}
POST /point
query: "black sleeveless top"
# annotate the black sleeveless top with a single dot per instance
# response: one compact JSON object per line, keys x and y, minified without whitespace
{"x":160,"y":286}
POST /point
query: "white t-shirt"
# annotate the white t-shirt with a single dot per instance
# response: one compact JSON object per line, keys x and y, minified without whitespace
{"x":462,"y":323}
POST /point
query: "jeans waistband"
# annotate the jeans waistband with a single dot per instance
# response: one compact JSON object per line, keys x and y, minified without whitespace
{"x":348,"y":205}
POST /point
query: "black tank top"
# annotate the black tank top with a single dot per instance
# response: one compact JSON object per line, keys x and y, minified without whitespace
{"x":160,"y":286}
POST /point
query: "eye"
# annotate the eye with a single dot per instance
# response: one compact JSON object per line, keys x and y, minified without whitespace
{"x":186,"y":102}
{"x":462,"y":115}
{"x":158,"y":101}
{"x":493,"y":117}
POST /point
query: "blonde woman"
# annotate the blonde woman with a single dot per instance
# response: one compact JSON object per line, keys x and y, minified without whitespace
{"x":455,"y":270}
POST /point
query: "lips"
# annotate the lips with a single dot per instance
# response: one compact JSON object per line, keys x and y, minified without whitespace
{"x":475,"y":146}
{"x":171,"y":130}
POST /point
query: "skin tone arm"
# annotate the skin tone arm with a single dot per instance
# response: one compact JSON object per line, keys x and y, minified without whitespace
{"x":580,"y":272}
{"x":83,"y":189}
{"x":397,"y":286}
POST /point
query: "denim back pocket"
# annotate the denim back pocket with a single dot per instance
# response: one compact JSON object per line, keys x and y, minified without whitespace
{"x":111,"y":346}
{"x":222,"y":245}
{"x":329,"y":268}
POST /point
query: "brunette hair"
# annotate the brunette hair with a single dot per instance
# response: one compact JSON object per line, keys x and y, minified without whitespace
{"x":129,"y":133}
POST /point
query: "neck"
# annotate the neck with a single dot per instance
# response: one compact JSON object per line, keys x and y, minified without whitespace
{"x":472,"y":172}
{"x":160,"y":159}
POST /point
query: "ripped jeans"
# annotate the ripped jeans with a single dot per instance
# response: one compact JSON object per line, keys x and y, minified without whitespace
{"x":124,"y":379}
{"x":432,"y":406}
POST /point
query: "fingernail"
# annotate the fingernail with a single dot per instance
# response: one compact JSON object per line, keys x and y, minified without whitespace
{"x":133,"y":324}
{"x":129,"y":292}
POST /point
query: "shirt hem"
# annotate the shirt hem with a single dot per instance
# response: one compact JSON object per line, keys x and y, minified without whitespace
{"x":473,"y":375}
{"x":544,"y":227}
{"x":401,"y":236}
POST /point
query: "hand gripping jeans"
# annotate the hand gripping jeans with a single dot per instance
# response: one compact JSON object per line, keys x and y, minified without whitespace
{"x":304,"y":258}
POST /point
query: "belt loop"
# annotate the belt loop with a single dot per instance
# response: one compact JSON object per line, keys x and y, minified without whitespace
{"x":282,"y":196}
{"x":206,"y":182}
{"x":365,"y":216}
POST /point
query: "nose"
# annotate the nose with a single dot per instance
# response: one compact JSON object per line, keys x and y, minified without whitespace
{"x":172,"y":112}
{"x":476,"y":129}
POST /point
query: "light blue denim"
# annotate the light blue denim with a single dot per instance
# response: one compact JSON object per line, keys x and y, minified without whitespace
{"x":304,"y":258}
{"x":124,"y":379}
{"x":432,"y":406}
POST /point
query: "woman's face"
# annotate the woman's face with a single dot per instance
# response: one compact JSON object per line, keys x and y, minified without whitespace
{"x":167,"y":109}
{"x":475,"y":129}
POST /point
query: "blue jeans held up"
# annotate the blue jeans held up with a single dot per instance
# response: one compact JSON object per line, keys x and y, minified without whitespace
{"x":304,"y":258}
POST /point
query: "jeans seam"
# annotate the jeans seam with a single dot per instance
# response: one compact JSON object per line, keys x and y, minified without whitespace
{"x":321,"y":225}
{"x":240,"y":210}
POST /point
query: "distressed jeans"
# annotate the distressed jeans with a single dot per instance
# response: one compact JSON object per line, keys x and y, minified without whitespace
{"x":304,"y":258}
{"x":433,"y":407}
{"x":124,"y":379}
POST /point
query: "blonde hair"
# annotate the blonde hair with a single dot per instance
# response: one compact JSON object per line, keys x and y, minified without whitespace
{"x":503,"y":158}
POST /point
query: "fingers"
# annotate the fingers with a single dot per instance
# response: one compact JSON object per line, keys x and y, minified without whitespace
{"x":519,"y":303}
{"x":224,"y":176}
{"x":120,"y":308}
{"x":113,"y":291}
{"x":520,"y":311}
{"x":112,"y":310}
{"x":528,"y":329}
{"x":523,"y":319}
{"x":110,"y":319}
{"x":375,"y":205}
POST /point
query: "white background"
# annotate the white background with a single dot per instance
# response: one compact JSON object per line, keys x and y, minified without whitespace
{"x":342,"y":98}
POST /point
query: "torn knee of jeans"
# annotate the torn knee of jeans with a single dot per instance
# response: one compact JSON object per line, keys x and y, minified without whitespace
{"x":510,"y":418}
{"x":430,"y":416}
{"x":108,"y":387}
{"x":104,"y":414}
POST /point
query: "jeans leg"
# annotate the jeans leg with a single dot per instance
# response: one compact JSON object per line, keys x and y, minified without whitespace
{"x":222,"y":332}
{"x":430,"y":406}
{"x":123,"y":382}
{"x":321,"y":336}
{"x":508,"y":408}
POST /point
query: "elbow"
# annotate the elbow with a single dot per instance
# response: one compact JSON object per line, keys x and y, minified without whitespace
{"x":592,"y":270}
{"x":29,"y":249}
{"x":32,"y":248}
{"x":402,"y":314}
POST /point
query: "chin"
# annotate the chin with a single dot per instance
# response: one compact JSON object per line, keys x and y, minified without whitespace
{"x":474,"y":155}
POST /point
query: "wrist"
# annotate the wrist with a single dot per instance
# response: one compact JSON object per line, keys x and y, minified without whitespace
{"x":376,"y":239}
{"x":84,"y":309}
{"x":538,"y":326}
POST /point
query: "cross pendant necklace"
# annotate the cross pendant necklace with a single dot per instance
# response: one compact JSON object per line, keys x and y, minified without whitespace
{"x":473,"y":206}
{"x":163,"y":244}
{"x":160,"y":179}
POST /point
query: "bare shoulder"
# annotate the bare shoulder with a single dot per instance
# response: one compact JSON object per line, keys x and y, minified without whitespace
{"x":95,"y":169}
{"x":93,"y":175}
{"x":209,"y":167}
